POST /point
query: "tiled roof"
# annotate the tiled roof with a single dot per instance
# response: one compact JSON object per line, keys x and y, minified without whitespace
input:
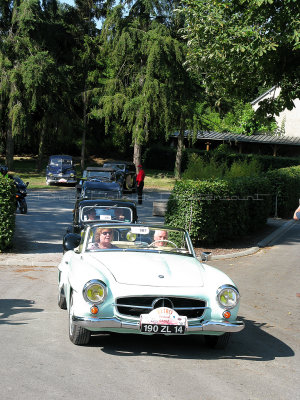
{"x":232,"y":137}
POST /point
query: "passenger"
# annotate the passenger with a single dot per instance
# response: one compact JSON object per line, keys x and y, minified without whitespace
{"x":91,"y":214}
{"x":160,"y":238}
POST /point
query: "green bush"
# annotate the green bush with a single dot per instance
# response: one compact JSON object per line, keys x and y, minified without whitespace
{"x":285,"y":184}
{"x":243,"y":168}
{"x":200,"y":168}
{"x":266,"y":162}
{"x":7,"y":212}
{"x":214,"y":211}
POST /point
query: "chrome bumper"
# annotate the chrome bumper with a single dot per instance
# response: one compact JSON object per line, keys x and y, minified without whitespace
{"x":116,"y":323}
{"x":56,"y":180}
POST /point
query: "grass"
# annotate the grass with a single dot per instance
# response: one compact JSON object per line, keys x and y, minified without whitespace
{"x":25,"y":168}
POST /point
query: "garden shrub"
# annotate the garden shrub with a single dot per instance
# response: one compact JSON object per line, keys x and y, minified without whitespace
{"x":214,"y":211}
{"x":285,"y":184}
{"x":199,"y":168}
{"x":267,"y":162}
{"x":243,"y":168}
{"x":7,"y":212}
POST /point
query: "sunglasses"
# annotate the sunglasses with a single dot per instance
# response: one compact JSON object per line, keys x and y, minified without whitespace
{"x":106,"y":233}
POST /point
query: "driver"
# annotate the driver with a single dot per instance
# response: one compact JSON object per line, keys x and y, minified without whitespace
{"x":160,"y":238}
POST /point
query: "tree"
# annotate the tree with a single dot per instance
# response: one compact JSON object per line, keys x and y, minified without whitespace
{"x":235,"y":46}
{"x":34,"y":73}
{"x":146,"y":86}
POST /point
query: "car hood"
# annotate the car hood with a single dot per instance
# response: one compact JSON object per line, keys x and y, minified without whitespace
{"x":150,"y":269}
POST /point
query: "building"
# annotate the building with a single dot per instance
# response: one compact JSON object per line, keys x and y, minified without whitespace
{"x":288,"y":121}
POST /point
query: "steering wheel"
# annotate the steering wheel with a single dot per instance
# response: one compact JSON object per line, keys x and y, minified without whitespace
{"x":153,"y":244}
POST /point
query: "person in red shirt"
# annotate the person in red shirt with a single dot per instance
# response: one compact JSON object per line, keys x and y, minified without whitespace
{"x":140,"y":183}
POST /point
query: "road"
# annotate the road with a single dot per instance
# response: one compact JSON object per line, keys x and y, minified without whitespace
{"x":39,"y":362}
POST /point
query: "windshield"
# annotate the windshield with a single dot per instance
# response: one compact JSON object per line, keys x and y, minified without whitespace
{"x":114,"y":165}
{"x":106,"y":213}
{"x":99,"y":174}
{"x":100,"y":193}
{"x":60,"y":161}
{"x":137,"y":238}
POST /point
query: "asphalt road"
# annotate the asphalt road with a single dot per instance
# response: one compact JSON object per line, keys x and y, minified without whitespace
{"x":39,"y":362}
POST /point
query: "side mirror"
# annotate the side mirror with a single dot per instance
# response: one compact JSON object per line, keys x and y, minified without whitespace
{"x":70,"y":241}
{"x":206,"y":256}
{"x":27,"y":183}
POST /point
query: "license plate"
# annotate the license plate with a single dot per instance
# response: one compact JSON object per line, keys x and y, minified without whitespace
{"x":62,"y":180}
{"x":167,"y":329}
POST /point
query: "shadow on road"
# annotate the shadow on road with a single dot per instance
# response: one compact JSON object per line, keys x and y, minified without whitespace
{"x":11,"y":307}
{"x":253,"y":343}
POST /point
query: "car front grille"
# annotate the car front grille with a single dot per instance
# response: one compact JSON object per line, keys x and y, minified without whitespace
{"x":137,"y":305}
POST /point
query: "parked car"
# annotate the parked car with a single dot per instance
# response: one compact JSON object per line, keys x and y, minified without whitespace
{"x":132,"y":278}
{"x":60,"y":169}
{"x":129,"y":171}
{"x":100,"y":174}
{"x":87,"y":212}
{"x":100,"y":189}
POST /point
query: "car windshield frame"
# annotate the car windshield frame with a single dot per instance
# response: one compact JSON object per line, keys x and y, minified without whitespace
{"x":57,"y":161}
{"x":105,"y":213}
{"x":118,"y":166}
{"x":138,"y":238}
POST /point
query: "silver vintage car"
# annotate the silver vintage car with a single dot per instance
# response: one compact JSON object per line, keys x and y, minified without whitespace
{"x":134,"y":278}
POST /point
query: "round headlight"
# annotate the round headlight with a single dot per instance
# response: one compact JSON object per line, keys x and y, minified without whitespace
{"x":228,"y":296}
{"x":94,"y":291}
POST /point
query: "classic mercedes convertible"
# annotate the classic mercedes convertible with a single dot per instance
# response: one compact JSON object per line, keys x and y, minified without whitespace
{"x":132,"y":278}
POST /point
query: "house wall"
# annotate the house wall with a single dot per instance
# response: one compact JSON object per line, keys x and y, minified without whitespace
{"x":289,"y":120}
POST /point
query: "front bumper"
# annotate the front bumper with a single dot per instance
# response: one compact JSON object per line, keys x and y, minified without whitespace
{"x":61,"y":179}
{"x":95,"y":324}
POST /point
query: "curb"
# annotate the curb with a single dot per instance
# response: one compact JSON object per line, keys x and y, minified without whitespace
{"x":276,"y":234}
{"x":268,"y":241}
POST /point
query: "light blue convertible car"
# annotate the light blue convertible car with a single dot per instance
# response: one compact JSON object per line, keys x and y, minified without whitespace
{"x":131,"y":278}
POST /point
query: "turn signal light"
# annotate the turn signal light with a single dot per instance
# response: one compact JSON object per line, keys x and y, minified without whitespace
{"x":94,"y":310}
{"x":226,"y":314}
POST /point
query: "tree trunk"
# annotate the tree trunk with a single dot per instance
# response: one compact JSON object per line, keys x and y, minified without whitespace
{"x":177,"y":169}
{"x":83,"y":143}
{"x":41,"y":150}
{"x":137,"y":153}
{"x":9,"y":149}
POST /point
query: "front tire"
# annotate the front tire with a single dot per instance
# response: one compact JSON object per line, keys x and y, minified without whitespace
{"x":23,"y":207}
{"x":77,"y":334}
{"x":218,"y":342}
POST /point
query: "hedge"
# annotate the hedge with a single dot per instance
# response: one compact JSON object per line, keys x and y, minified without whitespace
{"x":163,"y":158}
{"x":285,"y":183}
{"x":7,"y":212}
{"x":217,"y":210}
